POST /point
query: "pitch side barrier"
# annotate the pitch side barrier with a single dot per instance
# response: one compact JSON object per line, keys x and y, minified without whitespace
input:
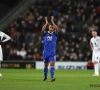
{"x":18,"y":64}
{"x":68,"y":65}
{"x":65,"y":65}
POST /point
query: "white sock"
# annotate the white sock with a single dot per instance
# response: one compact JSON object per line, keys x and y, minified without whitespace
{"x":97,"y":69}
{"x":94,"y":68}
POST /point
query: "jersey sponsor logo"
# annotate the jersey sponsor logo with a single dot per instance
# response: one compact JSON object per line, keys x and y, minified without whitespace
{"x":49,"y":38}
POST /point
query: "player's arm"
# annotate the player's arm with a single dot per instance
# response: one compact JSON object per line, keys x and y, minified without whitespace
{"x":91,"y":45}
{"x":6,"y":38}
{"x":45,"y":25}
{"x":54,"y":25}
{"x":99,"y":44}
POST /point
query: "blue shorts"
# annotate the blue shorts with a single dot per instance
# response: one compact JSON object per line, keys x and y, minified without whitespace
{"x":49,"y":57}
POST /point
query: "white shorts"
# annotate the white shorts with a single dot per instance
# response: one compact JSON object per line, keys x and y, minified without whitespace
{"x":96,"y":56}
{"x":1,"y":55}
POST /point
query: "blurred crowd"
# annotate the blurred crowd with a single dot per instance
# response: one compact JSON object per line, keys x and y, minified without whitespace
{"x":75,"y":19}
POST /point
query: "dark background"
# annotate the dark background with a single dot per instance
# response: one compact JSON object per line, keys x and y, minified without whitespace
{"x":6,"y":5}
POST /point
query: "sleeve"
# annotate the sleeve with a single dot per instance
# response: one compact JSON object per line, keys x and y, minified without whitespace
{"x":99,"y":43}
{"x":90,"y":40}
{"x":99,"y":39}
{"x":6,"y":37}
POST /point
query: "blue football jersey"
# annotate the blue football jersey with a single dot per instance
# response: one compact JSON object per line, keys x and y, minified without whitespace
{"x":50,"y":42}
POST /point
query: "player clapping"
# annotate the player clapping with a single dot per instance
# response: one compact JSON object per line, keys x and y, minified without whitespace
{"x":49,"y":52}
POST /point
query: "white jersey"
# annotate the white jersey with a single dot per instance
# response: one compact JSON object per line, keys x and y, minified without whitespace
{"x":96,"y":43}
{"x":6,"y":38}
{"x":3,"y":35}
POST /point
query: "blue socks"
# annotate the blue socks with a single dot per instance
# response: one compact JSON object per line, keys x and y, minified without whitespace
{"x":45,"y":72}
{"x":52,"y":70}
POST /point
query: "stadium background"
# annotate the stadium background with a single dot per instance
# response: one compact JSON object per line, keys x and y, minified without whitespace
{"x":23,"y":19}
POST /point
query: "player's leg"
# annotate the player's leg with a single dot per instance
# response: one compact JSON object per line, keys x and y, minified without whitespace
{"x":46,"y":63}
{"x":96,"y":64}
{"x":0,"y":68}
{"x":96,"y":68}
{"x":52,"y":70}
{"x":45,"y":70}
{"x":93,"y":59}
{"x":1,"y":57}
{"x":52,"y":60}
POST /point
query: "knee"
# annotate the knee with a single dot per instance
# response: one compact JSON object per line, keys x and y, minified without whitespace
{"x":95,"y":62}
{"x":45,"y":64}
{"x":52,"y":63}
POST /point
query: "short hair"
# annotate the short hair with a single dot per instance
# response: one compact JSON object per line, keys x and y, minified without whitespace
{"x":94,"y":30}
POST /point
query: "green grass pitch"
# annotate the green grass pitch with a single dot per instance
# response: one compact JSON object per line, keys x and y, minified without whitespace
{"x":30,"y":79}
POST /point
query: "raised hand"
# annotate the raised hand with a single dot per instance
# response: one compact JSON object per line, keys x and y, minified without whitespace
{"x":46,"y":20}
{"x":52,"y":18}
{"x":45,"y":25}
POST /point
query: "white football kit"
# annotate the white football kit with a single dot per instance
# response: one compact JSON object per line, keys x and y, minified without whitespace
{"x":96,"y":48}
{"x":6,"y":38}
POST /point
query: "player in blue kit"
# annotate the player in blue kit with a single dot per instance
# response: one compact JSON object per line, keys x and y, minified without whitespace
{"x":49,"y":52}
